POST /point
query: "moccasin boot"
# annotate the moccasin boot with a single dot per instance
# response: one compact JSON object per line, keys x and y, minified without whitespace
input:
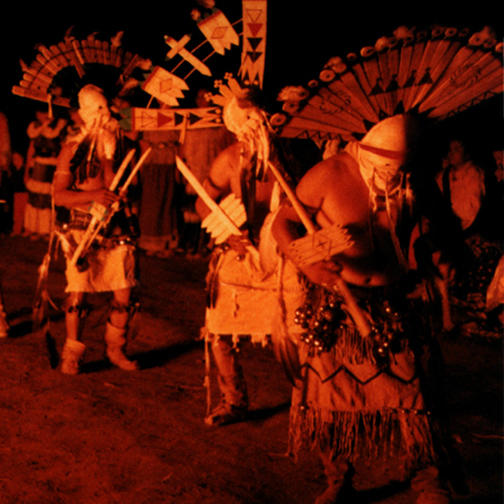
{"x":4,"y":325}
{"x":225,"y":413}
{"x":428,"y":487}
{"x":338,"y":480}
{"x":71,"y":356}
{"x":115,"y":339}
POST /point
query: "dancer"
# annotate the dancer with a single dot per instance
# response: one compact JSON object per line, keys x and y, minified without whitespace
{"x":84,"y":171}
{"x":242,"y":291}
{"x":360,"y":395}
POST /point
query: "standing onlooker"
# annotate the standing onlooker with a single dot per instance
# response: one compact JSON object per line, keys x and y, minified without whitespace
{"x":46,"y":134}
{"x":4,"y":325}
{"x":5,"y":160}
{"x":5,"y":142}
{"x":157,"y":217}
{"x":18,"y":194}
{"x":463,"y":183}
{"x":200,"y":147}
{"x":468,"y":182}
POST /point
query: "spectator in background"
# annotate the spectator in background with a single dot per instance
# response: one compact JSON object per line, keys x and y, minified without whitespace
{"x":17,"y":172}
{"x":498,"y":156}
{"x":495,"y":198}
{"x":199,"y":148}
{"x":5,"y":143}
{"x":463,"y":183}
{"x":46,"y":134}
{"x":4,"y":325}
{"x":18,"y":194}
{"x":5,"y":160}
{"x":469,"y":183}
{"x":157,"y":217}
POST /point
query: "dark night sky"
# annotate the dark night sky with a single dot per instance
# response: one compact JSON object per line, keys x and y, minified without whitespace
{"x":301,"y":36}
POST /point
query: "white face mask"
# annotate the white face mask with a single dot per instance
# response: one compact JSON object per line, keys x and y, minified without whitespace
{"x":242,"y":121}
{"x":383,"y":151}
{"x":381,"y":172}
{"x":93,"y":107}
{"x":94,"y":112}
{"x":249,"y":124}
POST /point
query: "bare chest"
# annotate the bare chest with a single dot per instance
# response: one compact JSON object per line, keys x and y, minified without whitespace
{"x":91,"y":184}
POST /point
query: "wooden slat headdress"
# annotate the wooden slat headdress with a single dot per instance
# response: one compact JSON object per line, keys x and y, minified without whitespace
{"x":437,"y":73}
{"x":39,"y":79}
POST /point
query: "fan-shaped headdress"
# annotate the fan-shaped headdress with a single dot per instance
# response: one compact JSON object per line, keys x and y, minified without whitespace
{"x":436,"y":73}
{"x":366,"y":100}
{"x":44,"y":78}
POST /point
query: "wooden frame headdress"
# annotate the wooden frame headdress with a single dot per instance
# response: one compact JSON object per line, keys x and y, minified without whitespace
{"x":436,"y":73}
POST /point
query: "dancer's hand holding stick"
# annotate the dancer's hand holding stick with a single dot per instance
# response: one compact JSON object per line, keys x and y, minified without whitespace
{"x":340,"y":242}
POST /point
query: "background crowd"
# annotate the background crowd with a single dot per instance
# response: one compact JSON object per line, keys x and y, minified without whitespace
{"x":167,"y":221}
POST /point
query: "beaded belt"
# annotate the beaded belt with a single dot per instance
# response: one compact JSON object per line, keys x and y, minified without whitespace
{"x":78,"y":220}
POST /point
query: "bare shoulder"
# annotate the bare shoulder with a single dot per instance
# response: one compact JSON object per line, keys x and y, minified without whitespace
{"x":224,"y":165}
{"x":230,"y":154}
{"x":64,"y":158}
{"x":322,"y":176}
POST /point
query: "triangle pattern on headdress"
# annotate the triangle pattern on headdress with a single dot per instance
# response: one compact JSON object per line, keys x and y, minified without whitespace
{"x":218,"y":31}
{"x":254,"y":55}
{"x":254,"y":28}
{"x":163,"y":119}
{"x":253,"y":42}
{"x":252,"y":14}
{"x":146,"y":119}
{"x":437,"y":72}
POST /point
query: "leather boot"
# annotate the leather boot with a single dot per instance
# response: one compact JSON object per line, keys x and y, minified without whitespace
{"x":115,"y":338}
{"x":428,"y":487}
{"x":337,"y":475}
{"x":233,"y":406}
{"x":225,"y":413}
{"x":71,"y":356}
{"x":4,"y":325}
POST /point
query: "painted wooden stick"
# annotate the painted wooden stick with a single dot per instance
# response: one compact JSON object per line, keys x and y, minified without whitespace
{"x":355,"y":312}
{"x":99,"y":213}
{"x":224,"y":222}
{"x":298,"y":207}
{"x":122,"y":168}
{"x":203,"y":194}
{"x":135,"y":170}
{"x":177,"y":47}
{"x":122,"y":191}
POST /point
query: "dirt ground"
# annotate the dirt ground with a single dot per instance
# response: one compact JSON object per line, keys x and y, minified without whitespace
{"x":108,"y":436}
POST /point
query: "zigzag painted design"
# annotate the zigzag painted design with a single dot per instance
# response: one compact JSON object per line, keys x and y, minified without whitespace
{"x":437,"y":72}
{"x":361,"y":382}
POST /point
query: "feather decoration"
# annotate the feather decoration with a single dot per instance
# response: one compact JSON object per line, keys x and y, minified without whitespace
{"x":42,"y":300}
{"x":40,"y":310}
